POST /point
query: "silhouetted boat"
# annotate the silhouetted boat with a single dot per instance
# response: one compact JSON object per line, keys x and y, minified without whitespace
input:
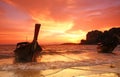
{"x":28,"y":52}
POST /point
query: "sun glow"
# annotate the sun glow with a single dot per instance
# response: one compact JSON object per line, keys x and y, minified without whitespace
{"x":75,"y":37}
{"x":61,"y":20}
{"x":55,"y":26}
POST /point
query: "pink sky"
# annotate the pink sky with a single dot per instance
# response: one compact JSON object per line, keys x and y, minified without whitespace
{"x":61,"y":20}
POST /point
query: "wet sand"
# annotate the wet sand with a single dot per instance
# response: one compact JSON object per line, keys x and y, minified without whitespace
{"x":59,"y":69}
{"x":83,"y":71}
{"x":73,"y":64}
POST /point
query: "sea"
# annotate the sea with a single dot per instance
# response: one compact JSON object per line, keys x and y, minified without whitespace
{"x":62,"y":61}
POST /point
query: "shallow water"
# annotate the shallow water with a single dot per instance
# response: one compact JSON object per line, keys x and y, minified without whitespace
{"x":62,"y":61}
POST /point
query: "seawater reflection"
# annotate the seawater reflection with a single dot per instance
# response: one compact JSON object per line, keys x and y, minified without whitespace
{"x":69,"y":72}
{"x":83,"y":54}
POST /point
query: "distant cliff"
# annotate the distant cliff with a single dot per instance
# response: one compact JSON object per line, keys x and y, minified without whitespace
{"x":70,"y":44}
{"x":93,"y":37}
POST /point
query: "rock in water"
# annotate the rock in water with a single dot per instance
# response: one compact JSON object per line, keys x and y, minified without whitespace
{"x":107,"y":42}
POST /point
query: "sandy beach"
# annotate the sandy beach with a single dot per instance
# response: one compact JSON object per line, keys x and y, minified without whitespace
{"x":62,"y":66}
{"x":56,"y":70}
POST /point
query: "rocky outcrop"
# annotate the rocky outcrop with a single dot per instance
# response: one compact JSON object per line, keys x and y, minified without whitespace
{"x":94,"y":37}
{"x":107,"y":40}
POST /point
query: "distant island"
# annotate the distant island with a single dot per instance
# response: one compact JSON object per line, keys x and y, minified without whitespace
{"x":93,"y":37}
{"x":70,"y":44}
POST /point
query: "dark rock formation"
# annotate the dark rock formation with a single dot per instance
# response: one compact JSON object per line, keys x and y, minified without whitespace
{"x":106,"y":40}
{"x":92,"y":37}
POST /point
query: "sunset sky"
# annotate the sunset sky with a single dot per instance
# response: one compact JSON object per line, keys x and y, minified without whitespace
{"x":61,"y":21}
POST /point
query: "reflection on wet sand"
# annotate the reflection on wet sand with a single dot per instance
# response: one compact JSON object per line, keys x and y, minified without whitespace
{"x":19,"y":73}
{"x":56,"y":73}
{"x":101,"y":75}
{"x":65,"y":64}
{"x":27,"y":73}
{"x":103,"y":70}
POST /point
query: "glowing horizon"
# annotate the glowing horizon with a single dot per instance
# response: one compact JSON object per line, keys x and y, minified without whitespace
{"x":62,"y":21}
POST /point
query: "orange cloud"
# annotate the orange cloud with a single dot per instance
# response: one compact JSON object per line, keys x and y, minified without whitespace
{"x":65,"y":20}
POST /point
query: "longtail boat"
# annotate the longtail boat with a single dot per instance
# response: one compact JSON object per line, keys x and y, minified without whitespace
{"x":28,"y":52}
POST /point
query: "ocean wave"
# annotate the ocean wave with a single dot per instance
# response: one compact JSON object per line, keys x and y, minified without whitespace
{"x":54,"y":65}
